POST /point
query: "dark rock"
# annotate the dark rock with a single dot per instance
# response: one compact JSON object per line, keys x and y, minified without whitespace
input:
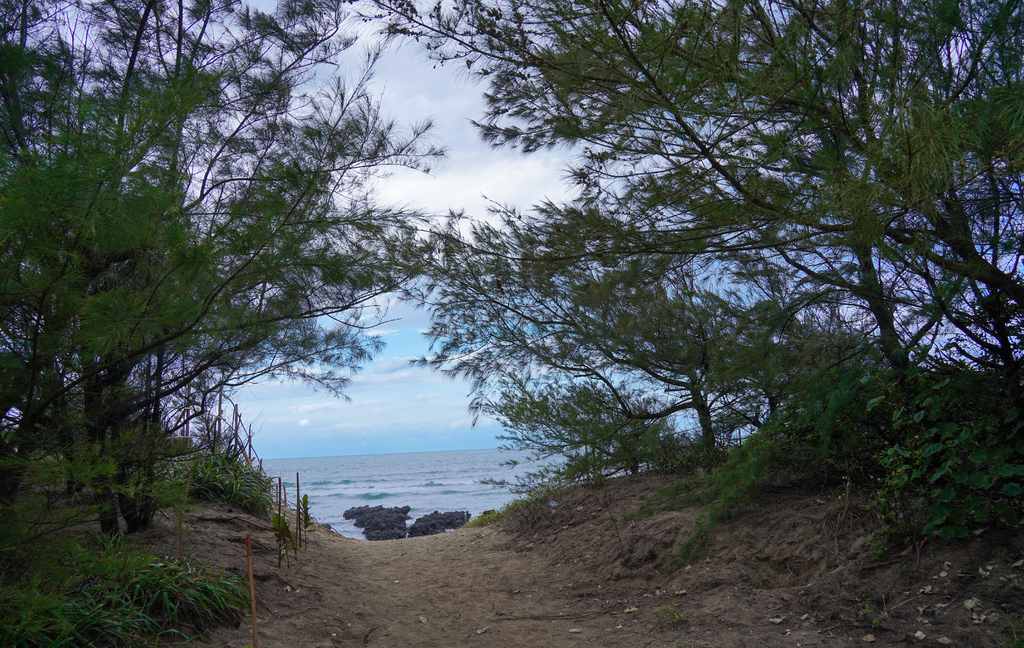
{"x":379,"y":523}
{"x":435,"y":523}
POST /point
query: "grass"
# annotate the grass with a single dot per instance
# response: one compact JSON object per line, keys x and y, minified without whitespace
{"x":108,"y":595}
{"x":63,"y":585}
{"x":228,"y":480}
{"x":670,"y":616}
{"x":1014,"y":630}
{"x":522,"y":511}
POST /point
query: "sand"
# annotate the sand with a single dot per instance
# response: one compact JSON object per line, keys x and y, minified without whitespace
{"x":799,"y":569}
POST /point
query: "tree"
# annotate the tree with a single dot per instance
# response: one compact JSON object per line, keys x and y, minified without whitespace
{"x":581,"y":426}
{"x":531,"y":316}
{"x":837,"y":182}
{"x":873,"y":147}
{"x":185,"y":209}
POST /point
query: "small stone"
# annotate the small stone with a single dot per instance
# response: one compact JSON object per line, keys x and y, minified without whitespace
{"x":423,"y":619}
{"x":868,"y":638}
{"x":777,"y":620}
{"x":972,"y":603}
{"x":785,"y":596}
{"x":945,"y":641}
{"x":983,"y":573}
{"x":680,"y":592}
{"x":631,"y":610}
{"x":920,"y":635}
{"x":943,"y":574}
{"x":575,"y":630}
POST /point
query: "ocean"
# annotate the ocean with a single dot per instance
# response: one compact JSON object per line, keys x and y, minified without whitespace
{"x":424,"y":481}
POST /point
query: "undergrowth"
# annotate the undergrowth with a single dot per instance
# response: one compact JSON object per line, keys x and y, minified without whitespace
{"x":522,"y":512}
{"x":63,"y":583}
{"x":722,"y":493}
{"x":227,"y":479}
{"x":103,"y":594}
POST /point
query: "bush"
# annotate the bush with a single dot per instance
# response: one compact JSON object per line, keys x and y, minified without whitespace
{"x":111,"y":596}
{"x":227,"y":479}
{"x":960,"y":457}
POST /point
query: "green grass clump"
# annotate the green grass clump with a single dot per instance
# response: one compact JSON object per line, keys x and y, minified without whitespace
{"x":229,"y":480}
{"x":112,"y":596}
{"x":485,"y":518}
{"x":522,"y":511}
{"x":723,"y":493}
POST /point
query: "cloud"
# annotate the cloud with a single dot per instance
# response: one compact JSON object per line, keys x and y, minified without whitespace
{"x":396,"y":405}
{"x":391,"y":366}
{"x":332,"y":405}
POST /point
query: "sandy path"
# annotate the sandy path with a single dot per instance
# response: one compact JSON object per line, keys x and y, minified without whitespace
{"x":794,"y":572}
{"x":458,"y":589}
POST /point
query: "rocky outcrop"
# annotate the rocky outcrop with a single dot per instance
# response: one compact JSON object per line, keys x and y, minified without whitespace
{"x":379,"y":523}
{"x":435,"y":522}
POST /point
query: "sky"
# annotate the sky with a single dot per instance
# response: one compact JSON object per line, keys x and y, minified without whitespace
{"x":392,"y":406}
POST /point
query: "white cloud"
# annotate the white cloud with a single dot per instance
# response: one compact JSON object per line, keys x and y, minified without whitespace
{"x":394,"y":404}
{"x":332,"y":405}
{"x":391,"y":366}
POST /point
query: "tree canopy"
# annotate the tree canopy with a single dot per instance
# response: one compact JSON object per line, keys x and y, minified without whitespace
{"x":860,"y":161}
{"x":184,"y":207}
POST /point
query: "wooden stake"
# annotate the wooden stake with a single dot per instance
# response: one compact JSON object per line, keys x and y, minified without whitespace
{"x":180,"y":541}
{"x":252,"y":590}
{"x":279,"y":518}
{"x":298,"y":512}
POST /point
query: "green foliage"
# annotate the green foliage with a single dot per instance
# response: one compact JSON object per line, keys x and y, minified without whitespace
{"x":182,"y":213}
{"x":227,"y":479}
{"x":485,"y":518}
{"x":670,"y":616}
{"x":523,"y":512}
{"x":758,"y":242}
{"x":283,"y":535}
{"x":726,"y":491}
{"x":1014,"y":630}
{"x":961,"y":453}
{"x":307,"y":520}
{"x":109,"y":595}
{"x":577,"y":423}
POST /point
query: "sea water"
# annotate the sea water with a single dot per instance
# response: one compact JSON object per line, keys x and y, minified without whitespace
{"x":424,"y":481}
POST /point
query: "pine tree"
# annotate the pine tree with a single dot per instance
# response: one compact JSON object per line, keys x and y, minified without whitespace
{"x":185,"y":209}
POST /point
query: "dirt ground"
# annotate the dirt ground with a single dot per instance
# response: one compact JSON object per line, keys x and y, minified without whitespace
{"x":797,"y":569}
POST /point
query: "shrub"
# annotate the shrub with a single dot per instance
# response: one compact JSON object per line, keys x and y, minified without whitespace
{"x":961,"y":452}
{"x":227,"y":479}
{"x":111,"y":596}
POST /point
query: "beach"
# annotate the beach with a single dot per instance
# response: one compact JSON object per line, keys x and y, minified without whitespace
{"x":796,"y":570}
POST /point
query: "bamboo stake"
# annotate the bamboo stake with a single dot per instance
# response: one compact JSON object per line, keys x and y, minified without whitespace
{"x":252,"y":590}
{"x":180,"y":541}
{"x":279,"y":551}
{"x":298,"y":512}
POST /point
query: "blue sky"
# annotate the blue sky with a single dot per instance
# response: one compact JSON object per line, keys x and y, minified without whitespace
{"x":392,"y":406}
